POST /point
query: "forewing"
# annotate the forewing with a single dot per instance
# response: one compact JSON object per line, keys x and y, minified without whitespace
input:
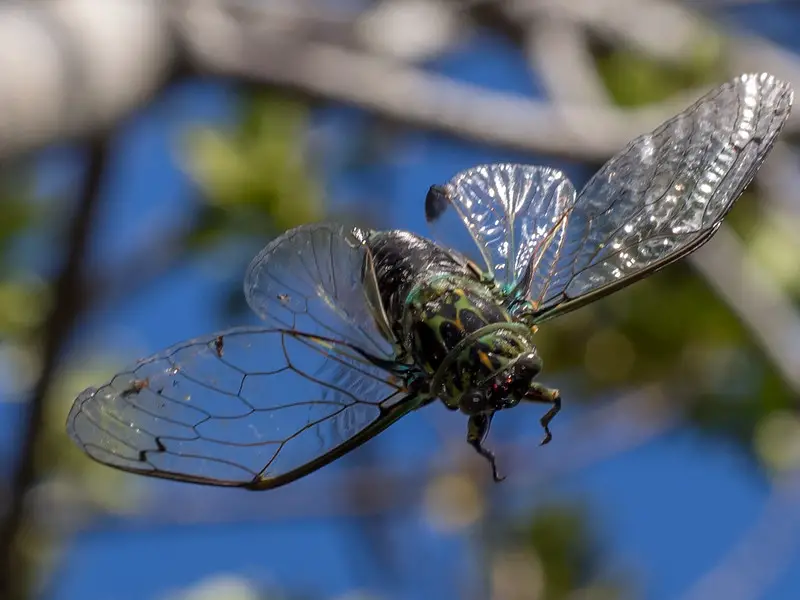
{"x":254,"y":408}
{"x":318,"y":279}
{"x":511,"y":211}
{"x":663,"y":196}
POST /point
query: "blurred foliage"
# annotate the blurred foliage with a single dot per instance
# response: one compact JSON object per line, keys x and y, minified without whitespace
{"x":554,"y":554}
{"x":778,"y":441}
{"x":24,"y":304}
{"x":24,"y":299}
{"x":635,"y":79}
{"x":19,"y":213}
{"x":255,"y":178}
{"x":773,"y":240}
{"x":453,"y":501}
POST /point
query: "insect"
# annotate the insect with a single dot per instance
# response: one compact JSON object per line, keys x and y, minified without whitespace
{"x":364,"y":327}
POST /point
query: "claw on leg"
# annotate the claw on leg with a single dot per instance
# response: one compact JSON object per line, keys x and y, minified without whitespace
{"x":477,"y":430}
{"x":540,"y":393}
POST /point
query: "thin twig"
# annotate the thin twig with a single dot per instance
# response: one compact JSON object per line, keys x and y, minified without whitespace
{"x":411,"y":96}
{"x":67,"y":293}
{"x":320,"y":57}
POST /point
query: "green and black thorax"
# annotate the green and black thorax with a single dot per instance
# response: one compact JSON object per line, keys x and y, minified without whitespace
{"x":452,"y":324}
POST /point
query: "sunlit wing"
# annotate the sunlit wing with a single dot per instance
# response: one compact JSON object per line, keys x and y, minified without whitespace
{"x":663,"y":196}
{"x":319,"y":279}
{"x":511,"y":211}
{"x":255,"y":408}
{"x":260,"y":407}
{"x":659,"y":199}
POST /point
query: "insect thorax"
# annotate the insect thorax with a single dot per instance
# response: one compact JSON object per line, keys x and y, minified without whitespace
{"x":433,"y":301}
{"x":444,"y":309}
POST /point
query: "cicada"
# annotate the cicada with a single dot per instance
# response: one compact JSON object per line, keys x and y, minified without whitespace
{"x":363,"y":327}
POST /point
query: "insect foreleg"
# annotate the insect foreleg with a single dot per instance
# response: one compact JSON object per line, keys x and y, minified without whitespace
{"x":539,"y":393}
{"x":477,"y":430}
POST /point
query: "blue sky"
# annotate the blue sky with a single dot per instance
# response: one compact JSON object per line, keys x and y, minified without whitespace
{"x":669,"y":510}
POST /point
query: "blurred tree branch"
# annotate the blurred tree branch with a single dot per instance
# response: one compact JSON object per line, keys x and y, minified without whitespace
{"x":15,"y":572}
{"x":303,"y":48}
{"x":74,"y":67}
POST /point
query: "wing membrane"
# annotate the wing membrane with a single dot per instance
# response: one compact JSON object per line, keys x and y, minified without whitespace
{"x":511,"y":212}
{"x":660,"y":198}
{"x":663,"y":196}
{"x":260,"y":407}
{"x":254,"y":408}
{"x":316,"y":279}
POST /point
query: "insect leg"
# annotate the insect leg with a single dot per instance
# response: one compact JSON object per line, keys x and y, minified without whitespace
{"x":477,"y":430}
{"x":539,"y":393}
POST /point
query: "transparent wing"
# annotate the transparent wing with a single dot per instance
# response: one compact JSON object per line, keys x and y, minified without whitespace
{"x":255,"y":408}
{"x":260,"y":407}
{"x":661,"y":197}
{"x":511,"y":212}
{"x":318,"y":279}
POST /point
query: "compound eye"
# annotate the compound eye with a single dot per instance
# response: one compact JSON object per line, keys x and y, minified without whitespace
{"x":472,"y":403}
